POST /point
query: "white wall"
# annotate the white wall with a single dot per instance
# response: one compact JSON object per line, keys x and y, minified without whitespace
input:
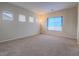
{"x":16,"y":29}
{"x":69,"y":23}
{"x":78,"y":25}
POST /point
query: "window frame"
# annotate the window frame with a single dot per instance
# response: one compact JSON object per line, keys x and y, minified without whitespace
{"x":55,"y":17}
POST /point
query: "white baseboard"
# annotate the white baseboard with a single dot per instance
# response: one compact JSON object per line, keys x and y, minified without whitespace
{"x":62,"y":35}
{"x":18,"y":38}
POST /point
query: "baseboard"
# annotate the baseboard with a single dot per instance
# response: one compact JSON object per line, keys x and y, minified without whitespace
{"x":19,"y":38}
{"x":61,"y":35}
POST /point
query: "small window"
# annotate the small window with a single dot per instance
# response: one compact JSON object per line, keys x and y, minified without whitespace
{"x":55,"y":23}
{"x":36,"y":19}
{"x":7,"y":16}
{"x":22,"y":18}
{"x":31,"y":19}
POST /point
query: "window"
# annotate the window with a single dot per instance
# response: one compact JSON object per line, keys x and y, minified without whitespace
{"x":7,"y":16}
{"x":22,"y":18}
{"x":37,"y":21}
{"x":55,"y":23}
{"x":31,"y":19}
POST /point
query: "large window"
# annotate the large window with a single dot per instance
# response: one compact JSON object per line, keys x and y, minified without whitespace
{"x":7,"y":16}
{"x":55,"y":23}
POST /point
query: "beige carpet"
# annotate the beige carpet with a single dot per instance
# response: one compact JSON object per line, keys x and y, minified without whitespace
{"x":40,"y":45}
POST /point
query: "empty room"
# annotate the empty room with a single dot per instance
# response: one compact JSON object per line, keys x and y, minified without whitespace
{"x":39,"y":29}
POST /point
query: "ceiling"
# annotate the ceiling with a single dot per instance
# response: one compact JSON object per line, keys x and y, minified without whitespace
{"x":45,"y":7}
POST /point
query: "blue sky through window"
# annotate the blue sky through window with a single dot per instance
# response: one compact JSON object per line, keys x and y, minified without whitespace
{"x":55,"y":23}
